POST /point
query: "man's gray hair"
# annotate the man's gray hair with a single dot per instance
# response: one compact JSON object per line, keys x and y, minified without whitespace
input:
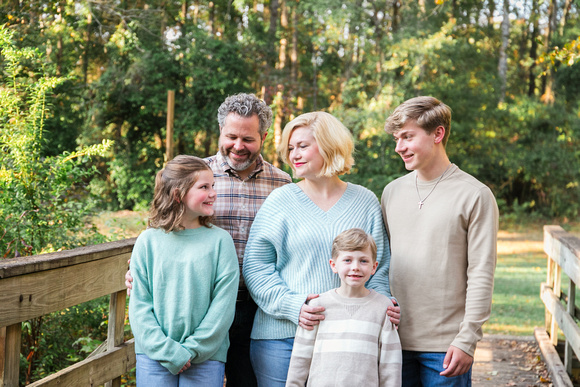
{"x":246,"y":105}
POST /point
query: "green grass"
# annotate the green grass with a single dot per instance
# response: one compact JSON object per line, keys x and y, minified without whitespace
{"x":517,"y":308}
{"x":521,"y":268}
{"x":121,"y":224}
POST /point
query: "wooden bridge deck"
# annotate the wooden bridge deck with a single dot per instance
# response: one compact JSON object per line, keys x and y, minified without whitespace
{"x":509,"y":361}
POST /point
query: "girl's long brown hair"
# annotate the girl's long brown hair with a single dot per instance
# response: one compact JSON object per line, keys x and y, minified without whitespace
{"x":171,"y":186}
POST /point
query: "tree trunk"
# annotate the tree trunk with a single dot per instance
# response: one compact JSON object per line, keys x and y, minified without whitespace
{"x":294,"y":49}
{"x":533,"y":49}
{"x":547,"y":93}
{"x":395,"y":24}
{"x":490,"y":15}
{"x":505,"y":35}
{"x":87,"y":47}
{"x":567,"y":5}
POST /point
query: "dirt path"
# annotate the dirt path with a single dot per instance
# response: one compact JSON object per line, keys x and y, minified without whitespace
{"x":509,"y":361}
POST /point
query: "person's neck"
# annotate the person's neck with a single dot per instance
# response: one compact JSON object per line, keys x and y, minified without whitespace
{"x":323,"y":191}
{"x":189,"y":224}
{"x":352,"y":292}
{"x":246,"y":172}
{"x":434,"y":170}
{"x":323,"y":187}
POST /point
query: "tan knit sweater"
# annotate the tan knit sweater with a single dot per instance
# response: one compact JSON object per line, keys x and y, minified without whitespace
{"x":442,"y":259}
{"x":355,"y":345}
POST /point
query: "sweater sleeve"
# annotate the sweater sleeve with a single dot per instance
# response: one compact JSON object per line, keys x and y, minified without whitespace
{"x":301,"y":359}
{"x":390,"y":357}
{"x":482,"y":257}
{"x":213,"y":329}
{"x":261,"y":275}
{"x":146,"y":330}
{"x":380,"y":280}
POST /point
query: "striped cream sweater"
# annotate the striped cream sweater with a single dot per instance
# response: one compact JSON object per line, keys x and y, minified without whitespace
{"x":355,"y":345}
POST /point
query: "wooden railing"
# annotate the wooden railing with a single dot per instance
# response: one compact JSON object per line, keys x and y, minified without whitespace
{"x":35,"y":286}
{"x":563,"y":251}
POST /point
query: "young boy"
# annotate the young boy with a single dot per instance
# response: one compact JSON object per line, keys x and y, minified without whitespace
{"x":356,"y":343}
{"x":442,"y":225}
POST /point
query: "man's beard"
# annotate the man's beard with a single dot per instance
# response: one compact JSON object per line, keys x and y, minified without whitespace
{"x":239,"y":165}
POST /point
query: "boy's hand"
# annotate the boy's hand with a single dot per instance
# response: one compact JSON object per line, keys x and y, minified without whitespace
{"x":456,"y":362}
{"x":310,"y":315}
{"x":128,"y":279}
{"x":186,"y":366}
{"x":394,"y":313}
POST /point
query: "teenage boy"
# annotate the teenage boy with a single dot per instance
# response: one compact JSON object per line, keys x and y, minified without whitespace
{"x":442,"y":225}
{"x":356,"y":343}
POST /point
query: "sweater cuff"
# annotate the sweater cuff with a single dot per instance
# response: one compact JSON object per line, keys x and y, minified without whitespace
{"x":177,"y":361}
{"x":468,"y":349}
{"x":292,"y":305}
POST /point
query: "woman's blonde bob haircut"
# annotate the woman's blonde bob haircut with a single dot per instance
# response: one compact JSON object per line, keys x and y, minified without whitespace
{"x":171,"y":186}
{"x":334,"y":142}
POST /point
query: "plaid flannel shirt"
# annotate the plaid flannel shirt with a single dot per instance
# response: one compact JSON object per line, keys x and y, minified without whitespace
{"x":239,"y":200}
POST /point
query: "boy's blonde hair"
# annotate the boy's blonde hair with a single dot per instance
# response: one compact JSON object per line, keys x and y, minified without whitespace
{"x":354,"y":239}
{"x":428,"y":113}
{"x":334,"y":141}
{"x":171,"y":186}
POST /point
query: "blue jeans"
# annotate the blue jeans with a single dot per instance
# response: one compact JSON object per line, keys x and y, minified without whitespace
{"x":150,"y":373}
{"x":239,"y":372}
{"x":423,"y":368}
{"x":271,"y":359}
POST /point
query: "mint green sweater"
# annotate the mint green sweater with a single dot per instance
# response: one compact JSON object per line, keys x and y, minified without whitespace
{"x":184,"y":294}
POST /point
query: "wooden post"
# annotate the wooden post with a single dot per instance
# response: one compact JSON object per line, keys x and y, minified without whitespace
{"x":116,"y":327}
{"x":170,"y":121}
{"x":10,"y":354}
{"x":572,"y":311}
{"x":558,"y":293}
{"x":550,"y":283}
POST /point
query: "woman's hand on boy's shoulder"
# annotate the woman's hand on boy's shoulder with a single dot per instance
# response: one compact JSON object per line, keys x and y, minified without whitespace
{"x":394,"y":313}
{"x":310,"y":315}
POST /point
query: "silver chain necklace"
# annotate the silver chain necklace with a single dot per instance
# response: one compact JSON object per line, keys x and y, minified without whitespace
{"x":422,"y":201}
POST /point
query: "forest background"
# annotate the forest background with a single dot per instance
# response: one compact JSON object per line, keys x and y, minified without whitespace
{"x":82,"y":72}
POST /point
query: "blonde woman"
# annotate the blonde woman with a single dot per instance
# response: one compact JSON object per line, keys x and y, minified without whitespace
{"x":286,"y":260}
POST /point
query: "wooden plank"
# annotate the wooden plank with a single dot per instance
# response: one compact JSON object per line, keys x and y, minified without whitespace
{"x":571,"y":309}
{"x":557,"y":292}
{"x":28,"y":296}
{"x":26,"y":265}
{"x":10,"y":337}
{"x":95,"y":371}
{"x":559,"y":376}
{"x":116,"y":327}
{"x":564,"y":249}
{"x":564,"y":320}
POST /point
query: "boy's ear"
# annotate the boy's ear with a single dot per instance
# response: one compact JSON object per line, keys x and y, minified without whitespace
{"x":376,"y":264}
{"x":439,"y":134}
{"x":333,"y":265}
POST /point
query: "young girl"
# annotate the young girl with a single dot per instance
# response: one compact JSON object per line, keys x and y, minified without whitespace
{"x":185,"y":282}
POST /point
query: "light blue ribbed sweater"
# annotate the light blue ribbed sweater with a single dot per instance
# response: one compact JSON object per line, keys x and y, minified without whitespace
{"x":184,"y":295}
{"x":289,"y":248}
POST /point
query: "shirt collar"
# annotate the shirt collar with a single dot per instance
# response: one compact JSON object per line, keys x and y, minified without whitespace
{"x":259,"y":167}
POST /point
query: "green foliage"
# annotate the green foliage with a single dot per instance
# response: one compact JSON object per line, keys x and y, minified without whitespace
{"x":39,"y":206}
{"x":41,"y":201}
{"x":62,"y":338}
